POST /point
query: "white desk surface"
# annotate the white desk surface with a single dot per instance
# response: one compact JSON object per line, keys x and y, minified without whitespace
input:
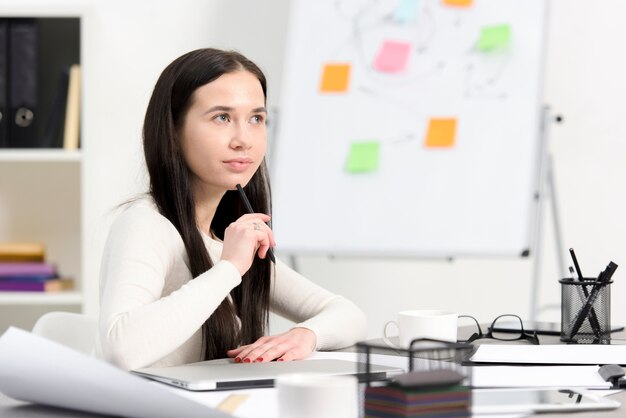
{"x":10,"y":408}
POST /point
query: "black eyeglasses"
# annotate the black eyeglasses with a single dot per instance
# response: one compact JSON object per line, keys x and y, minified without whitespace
{"x":507,"y":327}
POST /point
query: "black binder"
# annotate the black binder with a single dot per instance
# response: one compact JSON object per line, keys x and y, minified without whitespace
{"x":23,"y":85}
{"x":53,"y":136}
{"x":4,"y":82}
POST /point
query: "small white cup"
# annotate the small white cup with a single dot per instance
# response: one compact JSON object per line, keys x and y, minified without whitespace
{"x":310,"y":395}
{"x":433,"y":324}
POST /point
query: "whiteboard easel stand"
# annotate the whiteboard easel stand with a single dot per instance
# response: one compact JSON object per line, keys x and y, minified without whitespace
{"x":546,"y":189}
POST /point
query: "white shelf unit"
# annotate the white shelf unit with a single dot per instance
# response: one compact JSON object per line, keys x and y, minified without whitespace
{"x":41,"y":299}
{"x":39,"y":155}
{"x":40,"y":194}
{"x":124,"y":46}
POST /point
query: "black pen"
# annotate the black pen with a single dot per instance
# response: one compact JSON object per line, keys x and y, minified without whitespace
{"x":578,"y":271}
{"x":610,"y":269}
{"x":249,"y":209}
{"x":593,"y":318}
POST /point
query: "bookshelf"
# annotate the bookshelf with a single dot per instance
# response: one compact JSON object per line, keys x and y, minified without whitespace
{"x":41,"y":186}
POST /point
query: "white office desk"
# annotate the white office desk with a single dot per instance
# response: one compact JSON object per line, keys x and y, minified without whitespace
{"x":10,"y":408}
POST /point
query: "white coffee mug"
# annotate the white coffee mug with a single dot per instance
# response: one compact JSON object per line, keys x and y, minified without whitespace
{"x":433,"y":324}
{"x":310,"y":395}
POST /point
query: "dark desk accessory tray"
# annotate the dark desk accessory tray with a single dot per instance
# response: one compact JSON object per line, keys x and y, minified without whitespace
{"x":429,"y":362}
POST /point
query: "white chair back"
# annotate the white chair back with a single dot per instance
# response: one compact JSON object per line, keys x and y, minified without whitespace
{"x":74,"y":330}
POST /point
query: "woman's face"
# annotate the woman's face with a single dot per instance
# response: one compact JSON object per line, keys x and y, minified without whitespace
{"x":223,"y":136}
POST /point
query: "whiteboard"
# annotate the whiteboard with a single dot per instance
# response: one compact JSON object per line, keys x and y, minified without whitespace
{"x":409,"y":127}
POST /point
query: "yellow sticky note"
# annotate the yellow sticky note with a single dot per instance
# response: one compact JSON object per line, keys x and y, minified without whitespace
{"x":335,"y":78}
{"x":363,"y":157}
{"x":441,"y":133}
{"x":494,"y":37}
{"x":458,"y":3}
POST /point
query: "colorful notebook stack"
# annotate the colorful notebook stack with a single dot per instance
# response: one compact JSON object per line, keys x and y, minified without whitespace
{"x":23,"y":269}
{"x":396,"y":401}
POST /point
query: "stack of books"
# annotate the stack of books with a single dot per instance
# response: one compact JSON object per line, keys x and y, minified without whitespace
{"x":393,"y":401}
{"x":23,"y":269}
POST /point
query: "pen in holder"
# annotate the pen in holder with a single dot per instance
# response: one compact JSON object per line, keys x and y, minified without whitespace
{"x":586,"y":310}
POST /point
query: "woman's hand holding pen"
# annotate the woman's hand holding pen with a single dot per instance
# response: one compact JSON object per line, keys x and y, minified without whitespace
{"x":247,"y":236}
{"x":295,"y":344}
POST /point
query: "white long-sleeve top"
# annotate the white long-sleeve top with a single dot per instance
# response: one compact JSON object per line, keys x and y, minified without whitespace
{"x":151,"y":311}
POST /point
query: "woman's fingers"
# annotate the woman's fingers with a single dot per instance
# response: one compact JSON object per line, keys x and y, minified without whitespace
{"x":234,"y":352}
{"x":264,"y":245}
{"x":288,"y":356}
{"x":263,"y":216}
{"x":247,"y":236}
{"x":263,"y":227}
{"x":294,"y":344}
{"x":254,"y":219}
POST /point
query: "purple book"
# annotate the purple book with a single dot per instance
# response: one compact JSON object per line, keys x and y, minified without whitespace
{"x":27,"y":269}
{"x":7,"y":286}
{"x":29,"y":278}
{"x":54,"y":285}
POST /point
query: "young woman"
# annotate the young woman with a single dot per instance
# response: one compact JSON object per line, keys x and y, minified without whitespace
{"x":186,"y":273}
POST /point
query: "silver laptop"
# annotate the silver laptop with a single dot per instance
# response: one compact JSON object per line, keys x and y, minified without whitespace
{"x":225,"y":374}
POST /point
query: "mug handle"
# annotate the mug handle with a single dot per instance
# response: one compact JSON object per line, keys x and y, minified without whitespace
{"x":386,"y":337}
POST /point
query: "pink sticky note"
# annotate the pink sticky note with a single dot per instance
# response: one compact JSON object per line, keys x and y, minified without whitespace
{"x":392,"y":56}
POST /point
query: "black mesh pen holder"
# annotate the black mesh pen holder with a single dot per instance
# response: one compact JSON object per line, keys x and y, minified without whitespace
{"x":585,"y":311}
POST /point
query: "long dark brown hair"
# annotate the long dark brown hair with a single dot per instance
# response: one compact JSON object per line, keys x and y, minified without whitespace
{"x":170,"y":187}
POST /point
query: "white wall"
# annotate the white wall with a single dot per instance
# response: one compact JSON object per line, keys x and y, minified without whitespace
{"x":130,"y":42}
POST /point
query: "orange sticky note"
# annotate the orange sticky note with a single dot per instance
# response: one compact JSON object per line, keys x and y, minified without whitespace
{"x":441,"y":133}
{"x":392,"y":56}
{"x":458,"y":3}
{"x":335,"y":78}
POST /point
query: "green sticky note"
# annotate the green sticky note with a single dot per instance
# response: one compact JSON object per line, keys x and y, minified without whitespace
{"x":363,"y":157}
{"x":494,"y":37}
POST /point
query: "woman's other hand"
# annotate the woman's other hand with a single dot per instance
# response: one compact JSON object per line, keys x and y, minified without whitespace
{"x":295,"y":344}
{"x":247,"y":236}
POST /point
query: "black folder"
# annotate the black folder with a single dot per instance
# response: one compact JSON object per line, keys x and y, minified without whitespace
{"x":23,"y":85}
{"x":53,"y":135}
{"x":4,"y":82}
